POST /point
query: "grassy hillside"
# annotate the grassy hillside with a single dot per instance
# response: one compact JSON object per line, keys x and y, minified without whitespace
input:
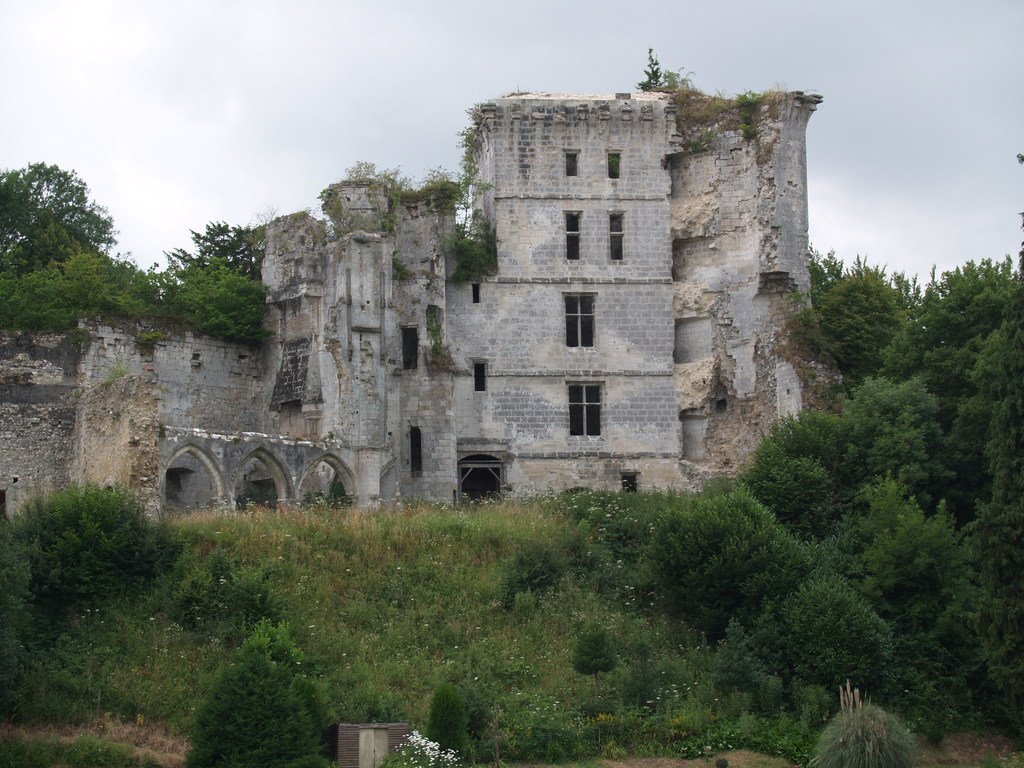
{"x":387,"y":606}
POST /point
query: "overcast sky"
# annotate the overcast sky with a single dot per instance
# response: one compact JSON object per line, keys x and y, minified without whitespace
{"x":179,"y":113}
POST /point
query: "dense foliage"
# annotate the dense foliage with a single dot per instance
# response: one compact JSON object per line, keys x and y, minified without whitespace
{"x":55,"y":266}
{"x":262,"y":710}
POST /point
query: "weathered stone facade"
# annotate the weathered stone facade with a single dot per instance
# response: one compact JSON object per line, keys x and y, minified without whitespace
{"x":630,"y":336}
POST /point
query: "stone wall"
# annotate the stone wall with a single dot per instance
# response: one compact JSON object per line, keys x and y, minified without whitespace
{"x":37,"y":414}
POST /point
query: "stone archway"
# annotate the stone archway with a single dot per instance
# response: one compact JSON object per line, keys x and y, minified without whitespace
{"x":261,"y":479}
{"x":326,"y":478}
{"x":192,"y":480}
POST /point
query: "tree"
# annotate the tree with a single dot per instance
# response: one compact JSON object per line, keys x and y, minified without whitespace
{"x":1000,"y":524}
{"x":721,"y":556}
{"x":239,"y":248}
{"x":653,"y":77}
{"x":860,"y":312}
{"x":261,"y":711}
{"x":448,"y":720}
{"x":46,"y":216}
{"x":218,"y":300}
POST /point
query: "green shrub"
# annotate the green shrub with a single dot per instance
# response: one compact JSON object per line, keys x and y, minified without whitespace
{"x":85,"y":544}
{"x":449,"y":719}
{"x":834,"y":635}
{"x":593,"y":651}
{"x":260,"y":711}
{"x":537,"y":566}
{"x":721,"y":556}
{"x":812,"y":703}
{"x":218,"y":597}
{"x":14,"y":582}
{"x":864,"y":736}
{"x":84,"y":752}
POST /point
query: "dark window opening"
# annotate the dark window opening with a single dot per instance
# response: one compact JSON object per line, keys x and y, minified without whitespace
{"x":572,"y":235}
{"x":630,"y":482}
{"x":480,"y":477}
{"x":476,"y":293}
{"x":410,"y":347}
{"x":571,"y":163}
{"x":579,"y":320}
{"x":615,"y":233}
{"x":3,"y":504}
{"x":415,"y":451}
{"x":721,"y":405}
{"x":480,"y":377}
{"x":585,"y":409}
{"x":614,"y":164}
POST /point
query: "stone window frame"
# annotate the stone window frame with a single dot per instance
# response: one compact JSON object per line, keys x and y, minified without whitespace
{"x":410,"y":347}
{"x":580,"y":320}
{"x":614,"y":164}
{"x":584,"y":400}
{"x":616,"y":237}
{"x":572,"y":163}
{"x":573,"y":232}
{"x":415,"y":451}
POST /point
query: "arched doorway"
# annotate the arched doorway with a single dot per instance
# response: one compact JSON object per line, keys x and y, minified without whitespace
{"x":481,"y":476}
{"x":191,"y":481}
{"x":260,"y":480}
{"x":327,"y":480}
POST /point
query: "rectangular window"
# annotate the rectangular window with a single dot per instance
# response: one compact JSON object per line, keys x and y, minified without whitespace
{"x":572,"y":235}
{"x":480,"y":377}
{"x":3,"y":504}
{"x":572,"y":163}
{"x":630,"y":484}
{"x":579,"y":320}
{"x":410,"y":347}
{"x":614,"y":164}
{"x":615,"y":235}
{"x":415,"y":450}
{"x":476,"y":293}
{"x":585,"y":409}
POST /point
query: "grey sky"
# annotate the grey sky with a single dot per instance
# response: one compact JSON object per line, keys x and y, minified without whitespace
{"x":180,"y":113}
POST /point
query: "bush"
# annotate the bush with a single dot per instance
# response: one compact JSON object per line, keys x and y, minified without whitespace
{"x":534,"y":568}
{"x":448,"y":720}
{"x":593,"y":651}
{"x":261,"y":711}
{"x":834,"y":635}
{"x":864,"y":736}
{"x":721,"y":556}
{"x":85,"y":544}
{"x":14,"y":581}
{"x":219,"y":598}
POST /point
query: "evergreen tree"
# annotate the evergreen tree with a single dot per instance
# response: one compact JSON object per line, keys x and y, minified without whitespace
{"x":449,"y":719}
{"x":261,"y":711}
{"x":1000,"y":524}
{"x":653,"y":77}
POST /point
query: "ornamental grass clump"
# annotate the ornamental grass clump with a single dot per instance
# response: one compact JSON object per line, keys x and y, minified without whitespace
{"x":863,"y":736}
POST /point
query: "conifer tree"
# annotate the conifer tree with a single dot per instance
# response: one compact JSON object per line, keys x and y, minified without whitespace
{"x":653,"y":77}
{"x":1000,"y":525}
{"x":261,"y":711}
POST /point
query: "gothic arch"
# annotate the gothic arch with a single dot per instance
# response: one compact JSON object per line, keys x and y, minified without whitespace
{"x":276,"y":469}
{"x":348,"y":479}
{"x":208,"y":462}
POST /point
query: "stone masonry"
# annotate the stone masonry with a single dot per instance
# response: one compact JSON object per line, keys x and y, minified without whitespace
{"x":631,"y":336}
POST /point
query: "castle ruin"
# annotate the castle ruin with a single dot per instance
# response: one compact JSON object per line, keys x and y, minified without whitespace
{"x":631,"y":336}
